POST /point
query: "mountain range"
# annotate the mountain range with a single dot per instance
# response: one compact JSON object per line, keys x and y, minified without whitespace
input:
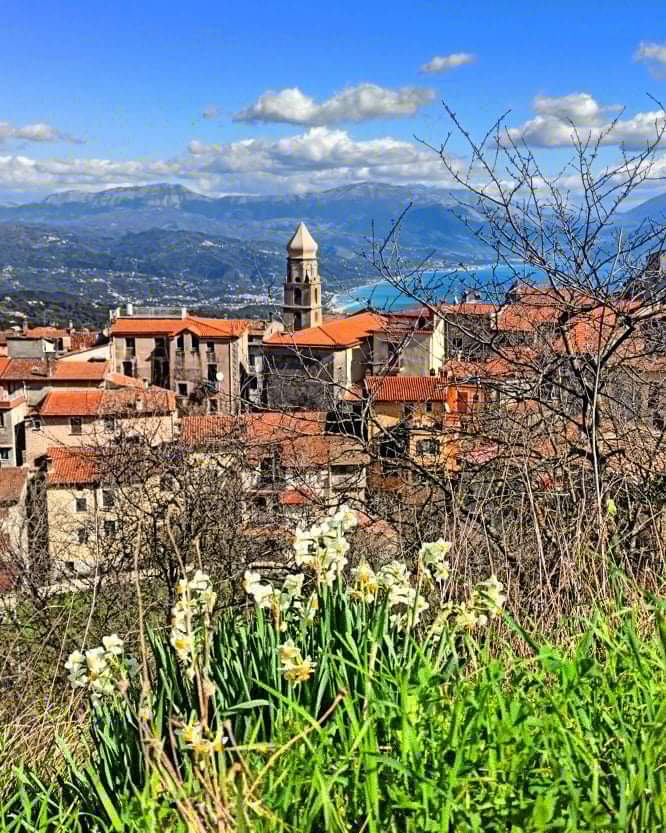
{"x":88,"y":251}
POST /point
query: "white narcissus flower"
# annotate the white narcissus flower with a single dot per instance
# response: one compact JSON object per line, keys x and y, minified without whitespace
{"x":96,"y":662}
{"x":311,"y":608}
{"x":200,"y":582}
{"x":113,"y":644}
{"x":250,"y":580}
{"x":293,"y":585}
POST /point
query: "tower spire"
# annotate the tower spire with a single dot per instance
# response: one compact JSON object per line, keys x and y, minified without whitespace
{"x":302,"y":287}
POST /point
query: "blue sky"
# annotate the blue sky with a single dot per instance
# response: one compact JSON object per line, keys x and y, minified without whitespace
{"x":99,"y":94}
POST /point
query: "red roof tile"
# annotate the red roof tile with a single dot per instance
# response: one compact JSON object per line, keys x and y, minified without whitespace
{"x":204,"y":327}
{"x":344,"y":332}
{"x":73,"y":466}
{"x":25,"y":370}
{"x":406,"y":388}
{"x":300,"y":437}
{"x":102,"y":402}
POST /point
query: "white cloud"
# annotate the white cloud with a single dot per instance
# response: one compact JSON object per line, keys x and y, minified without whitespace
{"x":353,"y":104}
{"x":444,"y":63}
{"x":559,"y":118}
{"x":580,"y":108}
{"x":650,"y":51}
{"x":37,"y":132}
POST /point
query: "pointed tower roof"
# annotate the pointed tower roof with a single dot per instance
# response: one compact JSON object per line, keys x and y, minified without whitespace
{"x":302,"y":244}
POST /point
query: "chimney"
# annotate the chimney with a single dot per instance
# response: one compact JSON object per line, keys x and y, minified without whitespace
{"x":183,"y":313}
{"x":130,"y":308}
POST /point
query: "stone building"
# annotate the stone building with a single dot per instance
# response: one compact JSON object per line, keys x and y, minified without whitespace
{"x":203,"y":360}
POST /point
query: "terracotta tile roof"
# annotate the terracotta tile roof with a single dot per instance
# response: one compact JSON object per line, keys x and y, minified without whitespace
{"x":119,"y":380}
{"x":45,"y":332}
{"x":406,"y":388}
{"x":103,"y":402}
{"x":25,"y":370}
{"x":75,"y":371}
{"x":468,"y":308}
{"x":12,"y":402}
{"x":12,"y":484}
{"x":264,"y":426}
{"x":301,"y":437}
{"x":344,"y":332}
{"x":203,"y":327}
{"x":73,"y":466}
{"x":512,"y":361}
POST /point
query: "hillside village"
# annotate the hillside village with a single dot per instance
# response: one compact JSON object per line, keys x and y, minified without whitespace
{"x":311,"y":411}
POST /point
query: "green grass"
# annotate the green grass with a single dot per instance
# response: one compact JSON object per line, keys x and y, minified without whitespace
{"x":419,"y":734}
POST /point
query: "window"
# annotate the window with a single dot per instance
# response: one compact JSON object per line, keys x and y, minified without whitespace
{"x":210,"y":347}
{"x":81,"y":504}
{"x":429,"y":446}
{"x":212,"y":373}
{"x":5,"y":455}
{"x":195,"y":343}
{"x":160,"y":346}
{"x":76,"y":425}
{"x":128,"y":369}
{"x":212,"y":406}
{"x":82,"y":535}
{"x":130,"y":346}
{"x":2,"y":419}
{"x":344,"y":470}
{"x":182,"y":388}
{"x":109,"y":527}
{"x":180,"y":343}
{"x":428,"y":407}
{"x":109,"y":424}
{"x":36,"y":424}
{"x":108,"y":499}
{"x":457,"y":344}
{"x":393,"y":354}
{"x":408,"y":410}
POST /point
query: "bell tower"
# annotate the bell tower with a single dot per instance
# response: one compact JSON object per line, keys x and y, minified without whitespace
{"x":302,"y":288}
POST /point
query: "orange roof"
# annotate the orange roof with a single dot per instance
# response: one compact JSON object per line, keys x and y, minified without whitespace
{"x":119,"y":380}
{"x":344,"y":332}
{"x":468,"y":308}
{"x":300,"y":436}
{"x":406,"y":388}
{"x":102,"y":402}
{"x":203,"y":327}
{"x":46,"y":332}
{"x":73,"y":466}
{"x":24,"y":370}
{"x":294,"y":497}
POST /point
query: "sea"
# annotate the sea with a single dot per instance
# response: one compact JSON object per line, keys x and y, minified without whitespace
{"x":443,"y":285}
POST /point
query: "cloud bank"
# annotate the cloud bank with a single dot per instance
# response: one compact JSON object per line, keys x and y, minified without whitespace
{"x":560,"y":118}
{"x":37,"y":132}
{"x":362,"y":102}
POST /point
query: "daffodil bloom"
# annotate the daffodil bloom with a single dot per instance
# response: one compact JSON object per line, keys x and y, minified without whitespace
{"x":300,"y":672}
{"x":311,"y":608}
{"x":293,"y":585}
{"x":113,"y":644}
{"x":96,"y":662}
{"x":199,"y":583}
{"x":289,"y":653}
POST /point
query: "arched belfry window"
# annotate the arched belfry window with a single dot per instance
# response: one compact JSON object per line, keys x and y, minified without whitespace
{"x":297,"y":296}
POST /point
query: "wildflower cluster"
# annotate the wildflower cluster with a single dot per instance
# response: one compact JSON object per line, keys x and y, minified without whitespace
{"x":283,"y":602}
{"x":104,"y":671}
{"x":406,"y":603}
{"x":199,"y":740}
{"x":190,"y":617}
{"x":486,"y":602}
{"x":323,"y":549}
{"x":293,"y":666}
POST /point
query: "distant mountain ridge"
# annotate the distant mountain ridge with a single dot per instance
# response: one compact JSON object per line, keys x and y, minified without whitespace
{"x":165,"y":242}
